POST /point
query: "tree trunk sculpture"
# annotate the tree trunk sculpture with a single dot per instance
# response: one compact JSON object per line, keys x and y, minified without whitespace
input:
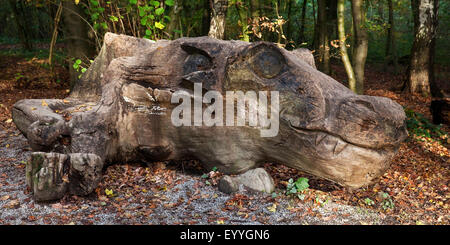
{"x":122,"y":111}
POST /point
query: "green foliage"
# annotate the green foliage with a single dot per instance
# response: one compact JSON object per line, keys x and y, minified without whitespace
{"x":421,"y":127}
{"x":18,"y":76}
{"x":146,"y":19}
{"x":369,"y":201}
{"x":298,"y":187}
{"x":387,"y":202}
{"x":80,"y":67}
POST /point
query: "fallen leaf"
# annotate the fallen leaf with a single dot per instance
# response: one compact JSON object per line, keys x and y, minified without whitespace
{"x":13,"y":204}
{"x":272,"y":209}
{"x":4,"y":198}
{"x":57,"y":206}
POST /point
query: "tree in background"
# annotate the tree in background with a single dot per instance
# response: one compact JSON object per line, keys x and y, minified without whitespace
{"x":323,"y":46}
{"x":391,"y":51}
{"x":77,"y":35}
{"x":22,"y":19}
{"x":218,"y":17}
{"x":420,"y":73}
{"x":301,"y":36}
{"x":361,"y":44}
{"x":342,"y":44}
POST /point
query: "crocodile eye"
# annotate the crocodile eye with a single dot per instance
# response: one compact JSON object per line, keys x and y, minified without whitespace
{"x":267,"y":62}
{"x":196,"y":62}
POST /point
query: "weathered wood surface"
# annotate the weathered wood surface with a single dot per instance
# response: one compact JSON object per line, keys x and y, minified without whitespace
{"x":121,"y":111}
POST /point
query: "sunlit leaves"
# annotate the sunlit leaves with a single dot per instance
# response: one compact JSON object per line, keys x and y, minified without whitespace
{"x":169,"y":2}
{"x":159,"y":11}
{"x":159,"y":25}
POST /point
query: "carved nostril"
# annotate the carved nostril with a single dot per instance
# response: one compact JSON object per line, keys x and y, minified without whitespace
{"x":370,"y":121}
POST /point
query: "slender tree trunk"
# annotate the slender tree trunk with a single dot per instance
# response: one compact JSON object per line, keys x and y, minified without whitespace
{"x":331,"y":9}
{"x":76,"y":35}
{"x":315,"y":42}
{"x":361,"y":44}
{"x":218,"y":18}
{"x":391,"y":52}
{"x":343,"y":47}
{"x":323,"y":46}
{"x":206,"y":19}
{"x":55,"y":35}
{"x":290,"y":19}
{"x":22,"y":30}
{"x":425,"y":20}
{"x":436,"y":91}
{"x":301,"y":38}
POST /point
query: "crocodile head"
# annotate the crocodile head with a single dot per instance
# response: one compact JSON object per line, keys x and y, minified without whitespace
{"x":325,"y":128}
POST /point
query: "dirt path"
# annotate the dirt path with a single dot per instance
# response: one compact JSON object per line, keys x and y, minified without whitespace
{"x":155,"y":195}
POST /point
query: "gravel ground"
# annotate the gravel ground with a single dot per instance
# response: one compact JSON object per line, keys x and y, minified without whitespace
{"x":172,"y":206}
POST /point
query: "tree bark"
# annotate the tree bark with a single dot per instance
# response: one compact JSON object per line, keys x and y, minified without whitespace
{"x":323,"y":46}
{"x":421,"y":64}
{"x":302,"y":38}
{"x":206,"y":19}
{"x":76,"y":36}
{"x":331,"y":9}
{"x":343,"y":48}
{"x":391,"y":51}
{"x":218,"y":18}
{"x":19,"y":17}
{"x":55,"y":35}
{"x":361,"y":44}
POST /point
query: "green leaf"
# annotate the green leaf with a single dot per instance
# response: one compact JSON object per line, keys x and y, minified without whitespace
{"x":144,"y":21}
{"x":148,"y":32}
{"x":104,"y":25}
{"x":83,"y":70}
{"x":302,"y":184}
{"x":159,"y":25}
{"x":169,"y":2}
{"x":94,"y":2}
{"x":113,"y":18}
{"x":159,"y":11}
{"x":78,"y":61}
{"x":133,"y":2}
{"x":94,"y":16}
{"x":155,"y":3}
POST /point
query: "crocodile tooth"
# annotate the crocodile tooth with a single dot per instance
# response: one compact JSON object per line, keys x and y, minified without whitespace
{"x":320,"y":136}
{"x":339,"y":147}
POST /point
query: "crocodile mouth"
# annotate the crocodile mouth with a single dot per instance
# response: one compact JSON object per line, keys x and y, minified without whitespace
{"x":329,"y":145}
